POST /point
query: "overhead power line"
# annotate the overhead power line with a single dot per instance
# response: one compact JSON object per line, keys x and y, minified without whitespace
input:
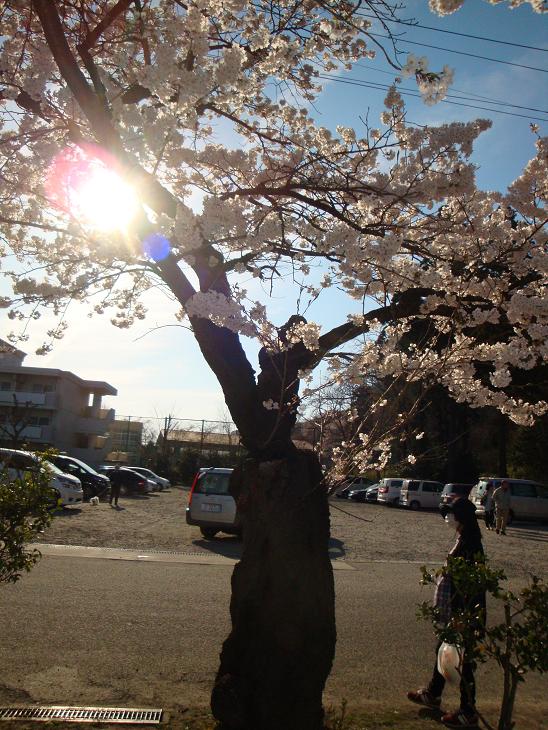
{"x":467,"y":95}
{"x":460,"y":53}
{"x":411,"y":24}
{"x":384,"y":87}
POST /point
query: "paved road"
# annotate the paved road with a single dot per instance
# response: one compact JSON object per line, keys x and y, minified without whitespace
{"x":141,"y":633}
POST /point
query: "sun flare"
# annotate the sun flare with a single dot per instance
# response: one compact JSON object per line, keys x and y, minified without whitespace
{"x":85,"y":183}
{"x":104,"y":200}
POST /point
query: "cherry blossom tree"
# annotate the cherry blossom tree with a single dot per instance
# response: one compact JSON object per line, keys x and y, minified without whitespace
{"x":117,"y":106}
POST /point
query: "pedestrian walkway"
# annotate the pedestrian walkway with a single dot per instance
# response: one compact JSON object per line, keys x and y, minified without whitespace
{"x":149,"y":556}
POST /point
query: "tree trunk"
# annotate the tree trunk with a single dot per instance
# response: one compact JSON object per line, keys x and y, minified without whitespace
{"x":503,"y":445}
{"x":279,"y":653}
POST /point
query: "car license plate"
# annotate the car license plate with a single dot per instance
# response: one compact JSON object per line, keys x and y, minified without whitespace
{"x":211,"y":507}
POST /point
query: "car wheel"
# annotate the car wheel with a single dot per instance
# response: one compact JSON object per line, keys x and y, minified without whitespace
{"x":208,"y":532}
{"x":55,"y":502}
{"x":395,"y":502}
{"x":414,"y":505}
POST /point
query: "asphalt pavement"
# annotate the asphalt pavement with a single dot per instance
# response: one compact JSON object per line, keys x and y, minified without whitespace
{"x":140,"y":631}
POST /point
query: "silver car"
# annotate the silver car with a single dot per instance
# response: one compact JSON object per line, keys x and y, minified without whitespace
{"x":210,"y":506}
{"x":529,"y":499}
{"x":149,"y":474}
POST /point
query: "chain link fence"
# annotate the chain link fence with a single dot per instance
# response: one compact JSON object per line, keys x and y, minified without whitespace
{"x":175,"y":447}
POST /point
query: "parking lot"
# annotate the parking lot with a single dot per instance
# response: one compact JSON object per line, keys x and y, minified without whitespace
{"x":359,"y":532}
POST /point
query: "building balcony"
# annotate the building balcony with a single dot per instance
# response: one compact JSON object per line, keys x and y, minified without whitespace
{"x":41,"y":434}
{"x":22,"y":398}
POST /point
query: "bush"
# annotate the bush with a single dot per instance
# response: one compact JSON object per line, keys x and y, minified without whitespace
{"x":25,"y":510}
{"x":518,"y":644}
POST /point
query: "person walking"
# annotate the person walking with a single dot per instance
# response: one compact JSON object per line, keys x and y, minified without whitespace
{"x":489,"y":507}
{"x":115,"y":483}
{"x":469,"y":547}
{"x":502,"y":500}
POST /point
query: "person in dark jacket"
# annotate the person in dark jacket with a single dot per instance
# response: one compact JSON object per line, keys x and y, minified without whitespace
{"x":469,"y":547}
{"x":116,"y":477}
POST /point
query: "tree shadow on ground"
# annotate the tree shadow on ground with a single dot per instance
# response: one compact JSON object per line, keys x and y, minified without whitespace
{"x":528,"y":531}
{"x":229,"y":546}
{"x":66,"y":512}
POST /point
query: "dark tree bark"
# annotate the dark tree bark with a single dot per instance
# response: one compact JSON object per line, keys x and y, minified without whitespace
{"x":502,"y":444}
{"x":279,"y":653}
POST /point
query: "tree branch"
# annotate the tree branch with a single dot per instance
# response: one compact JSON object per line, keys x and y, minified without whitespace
{"x":116,"y":10}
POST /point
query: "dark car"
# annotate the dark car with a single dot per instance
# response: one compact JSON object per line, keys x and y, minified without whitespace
{"x":371,"y":493}
{"x":357,"y":495}
{"x":93,"y":483}
{"x":130,"y":482}
{"x":450,"y":493}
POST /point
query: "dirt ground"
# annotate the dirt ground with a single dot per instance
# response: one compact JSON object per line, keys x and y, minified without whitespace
{"x":359,"y":532}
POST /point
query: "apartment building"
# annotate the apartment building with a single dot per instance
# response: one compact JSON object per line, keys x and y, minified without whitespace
{"x":42,"y":407}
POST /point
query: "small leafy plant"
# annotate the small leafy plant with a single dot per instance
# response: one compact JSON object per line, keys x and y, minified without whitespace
{"x":519,"y":644}
{"x":25,"y":510}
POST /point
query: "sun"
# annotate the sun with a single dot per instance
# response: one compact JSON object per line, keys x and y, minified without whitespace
{"x":86,"y":184}
{"x":103,"y":200}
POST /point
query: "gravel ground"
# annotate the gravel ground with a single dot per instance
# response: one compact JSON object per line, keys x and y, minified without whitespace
{"x":360,"y":532}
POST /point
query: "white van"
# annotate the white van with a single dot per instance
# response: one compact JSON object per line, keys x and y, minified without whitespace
{"x":210,"y":506}
{"x":529,"y":499}
{"x":420,"y":494}
{"x":67,"y":489}
{"x":389,"y":491}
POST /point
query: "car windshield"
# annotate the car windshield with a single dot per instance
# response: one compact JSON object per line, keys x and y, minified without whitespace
{"x":55,"y":469}
{"x":76,"y":462}
{"x":142,"y":470}
{"x":84,"y":466}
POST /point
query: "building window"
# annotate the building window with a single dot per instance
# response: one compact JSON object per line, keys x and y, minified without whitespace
{"x":5,"y":386}
{"x":39,"y":421}
{"x":37,"y":388}
{"x":49,"y":387}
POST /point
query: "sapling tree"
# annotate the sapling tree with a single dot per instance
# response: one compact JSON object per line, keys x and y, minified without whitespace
{"x":518,"y":643}
{"x":170,"y":144}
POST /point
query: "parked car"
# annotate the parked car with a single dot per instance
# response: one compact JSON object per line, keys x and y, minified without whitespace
{"x":529,"y":498}
{"x":420,"y":494}
{"x":210,"y":506}
{"x":351,"y":484}
{"x":389,"y":491}
{"x":450,"y":493}
{"x":67,"y":489}
{"x":130,"y":481}
{"x":357,"y":495}
{"x":372,"y":493}
{"x":162,"y":482}
{"x":93,"y":483}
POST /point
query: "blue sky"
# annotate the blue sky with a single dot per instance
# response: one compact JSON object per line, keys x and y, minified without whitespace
{"x":158,"y":368}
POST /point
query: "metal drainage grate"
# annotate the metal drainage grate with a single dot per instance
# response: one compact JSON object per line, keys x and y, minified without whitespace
{"x":83,"y":714}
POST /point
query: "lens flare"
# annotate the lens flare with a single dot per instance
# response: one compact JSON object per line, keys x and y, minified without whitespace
{"x":85,"y":183}
{"x":156,"y":246}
